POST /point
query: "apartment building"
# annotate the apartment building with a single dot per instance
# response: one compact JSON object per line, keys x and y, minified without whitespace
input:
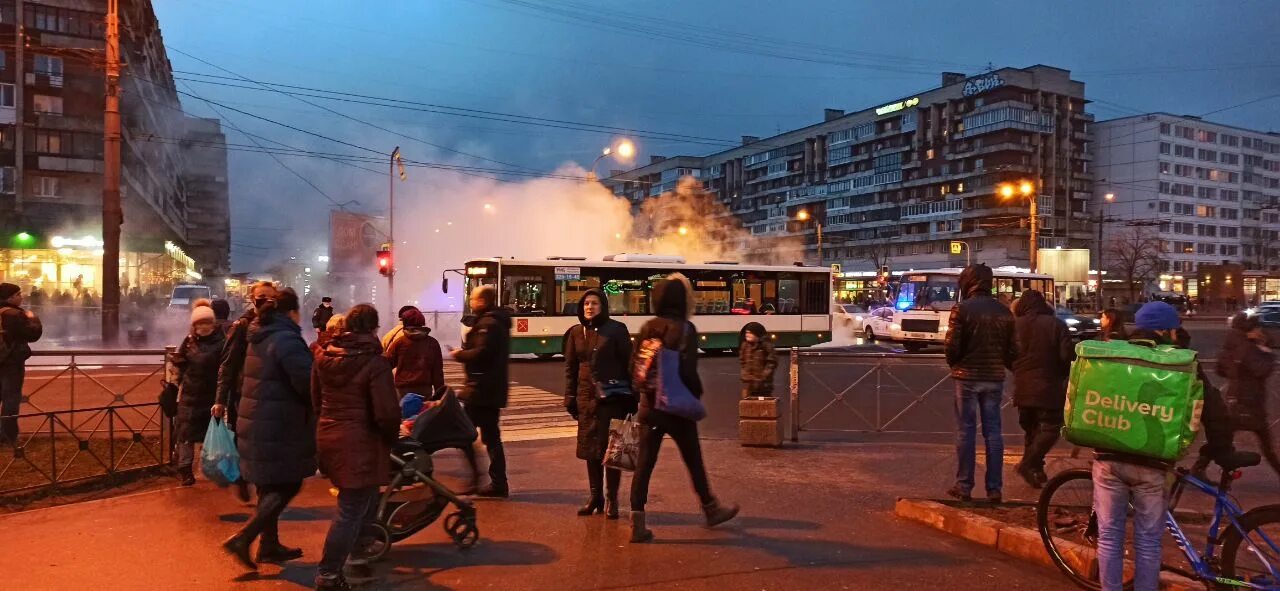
{"x":900,"y":180}
{"x":1211,"y":192}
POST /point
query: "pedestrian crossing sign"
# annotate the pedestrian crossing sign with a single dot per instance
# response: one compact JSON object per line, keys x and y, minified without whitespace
{"x":835,"y":269}
{"x":957,"y":247}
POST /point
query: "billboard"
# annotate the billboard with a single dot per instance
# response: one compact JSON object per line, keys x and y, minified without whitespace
{"x":1066,"y":265}
{"x":353,"y":241}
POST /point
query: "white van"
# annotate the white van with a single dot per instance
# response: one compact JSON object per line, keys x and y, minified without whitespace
{"x":185,"y":295}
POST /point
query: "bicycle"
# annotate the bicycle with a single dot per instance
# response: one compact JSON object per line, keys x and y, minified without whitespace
{"x":1069,"y":528}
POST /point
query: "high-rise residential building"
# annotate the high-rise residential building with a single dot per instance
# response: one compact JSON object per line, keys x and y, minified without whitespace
{"x":896,"y":183}
{"x":1209,"y":192}
{"x":51,"y":142}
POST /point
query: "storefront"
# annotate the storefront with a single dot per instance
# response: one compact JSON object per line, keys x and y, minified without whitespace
{"x":856,"y":286}
{"x":73,"y":267}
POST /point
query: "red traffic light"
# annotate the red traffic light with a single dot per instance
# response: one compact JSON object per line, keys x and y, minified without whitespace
{"x":384,"y":263}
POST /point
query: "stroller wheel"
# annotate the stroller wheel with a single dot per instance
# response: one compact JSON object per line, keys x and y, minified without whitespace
{"x":373,"y":545}
{"x":462,"y":529}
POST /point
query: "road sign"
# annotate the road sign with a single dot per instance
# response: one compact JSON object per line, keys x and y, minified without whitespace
{"x":835,"y":269}
{"x":957,"y":247}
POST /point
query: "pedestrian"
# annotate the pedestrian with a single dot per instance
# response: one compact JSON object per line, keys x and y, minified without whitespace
{"x":231,"y":365}
{"x":1124,"y":483}
{"x":336,"y":325}
{"x":395,"y":331}
{"x":597,"y":355}
{"x":221,"y":314}
{"x":1045,"y":353}
{"x":18,"y":329}
{"x":1112,"y":326}
{"x":196,"y":360}
{"x":757,"y":360}
{"x":275,"y":431}
{"x":673,"y":307}
{"x":484,"y":355}
{"x":980,"y":345}
{"x":1247,"y":361}
{"x":320,"y":317}
{"x":359,"y":419}
{"x":416,"y":358}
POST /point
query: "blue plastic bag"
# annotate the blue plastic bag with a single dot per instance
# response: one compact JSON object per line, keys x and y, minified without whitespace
{"x":219,"y":459}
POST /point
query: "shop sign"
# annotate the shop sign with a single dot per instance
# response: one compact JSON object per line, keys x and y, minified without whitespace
{"x":898,"y":106}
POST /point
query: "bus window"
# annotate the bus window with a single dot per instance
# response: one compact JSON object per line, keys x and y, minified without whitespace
{"x":474,"y":283}
{"x":524,"y":295}
{"x":711,"y":297}
{"x":769,"y":304}
{"x":817,"y":299}
{"x":747,"y":296}
{"x":627,"y":296}
{"x":788,"y":296}
{"x":571,"y":291}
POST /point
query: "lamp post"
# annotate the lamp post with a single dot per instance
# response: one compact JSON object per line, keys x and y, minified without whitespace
{"x":1102,"y":220}
{"x":1025,"y":188}
{"x":624,"y":149}
{"x":803,"y":215}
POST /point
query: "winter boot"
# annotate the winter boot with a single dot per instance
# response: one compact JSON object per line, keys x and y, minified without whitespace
{"x":639,"y":533}
{"x":332,"y":583}
{"x":611,"y":506}
{"x":187,"y":477}
{"x":277,"y":552}
{"x":238,"y":548}
{"x":717,"y":513}
{"x":595,"y":504}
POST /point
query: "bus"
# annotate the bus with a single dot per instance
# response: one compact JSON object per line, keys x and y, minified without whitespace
{"x":793,"y":303}
{"x":923,"y":301}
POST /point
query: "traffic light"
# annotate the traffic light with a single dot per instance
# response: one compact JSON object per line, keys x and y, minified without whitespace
{"x":883,"y":278}
{"x":385,"y":267}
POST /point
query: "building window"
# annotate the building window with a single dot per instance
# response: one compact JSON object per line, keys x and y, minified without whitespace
{"x":1165,"y":147}
{"x":48,"y":142}
{"x":7,"y":95}
{"x":1164,"y":168}
{"x":1164,"y":129}
{"x":7,"y":175}
{"x":47,"y":186}
{"x":1164,"y":207}
{"x":43,"y":103}
{"x":48,"y":65}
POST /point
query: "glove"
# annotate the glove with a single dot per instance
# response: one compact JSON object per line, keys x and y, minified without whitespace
{"x":571,"y":406}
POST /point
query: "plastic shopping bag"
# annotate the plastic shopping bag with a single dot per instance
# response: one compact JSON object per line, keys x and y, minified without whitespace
{"x":623,"y":451}
{"x":219,"y":460}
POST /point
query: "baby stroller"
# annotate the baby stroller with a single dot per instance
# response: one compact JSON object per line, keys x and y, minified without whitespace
{"x":414,"y":499}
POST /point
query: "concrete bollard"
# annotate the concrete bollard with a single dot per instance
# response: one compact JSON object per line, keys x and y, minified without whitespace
{"x":758,"y":422}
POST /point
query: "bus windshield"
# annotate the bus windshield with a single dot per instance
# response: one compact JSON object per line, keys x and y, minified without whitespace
{"x":931,"y":292}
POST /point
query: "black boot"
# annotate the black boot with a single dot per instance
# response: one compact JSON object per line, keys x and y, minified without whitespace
{"x":595,"y":504}
{"x":639,"y":533}
{"x":332,"y":583}
{"x":611,"y":506}
{"x":187,"y":477}
{"x":238,"y":548}
{"x":277,"y":552}
{"x":612,"y":478}
{"x":717,"y":513}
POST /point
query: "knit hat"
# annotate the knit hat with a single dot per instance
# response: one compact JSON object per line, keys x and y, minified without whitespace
{"x":201,"y":314}
{"x":413,"y":317}
{"x":1157,"y":316}
{"x":7,"y":290}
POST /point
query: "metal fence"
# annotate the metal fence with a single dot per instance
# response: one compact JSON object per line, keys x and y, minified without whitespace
{"x":76,"y":379}
{"x":848,"y":392}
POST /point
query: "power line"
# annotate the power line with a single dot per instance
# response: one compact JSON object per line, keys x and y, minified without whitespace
{"x":1246,"y":103}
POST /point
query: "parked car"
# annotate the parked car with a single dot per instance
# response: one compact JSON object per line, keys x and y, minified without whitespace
{"x":1261,"y":310}
{"x":850,"y":317}
{"x":1080,"y":326}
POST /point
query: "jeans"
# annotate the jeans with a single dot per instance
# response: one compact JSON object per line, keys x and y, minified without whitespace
{"x":356,"y":508}
{"x":1115,"y":486}
{"x":11,"y":377}
{"x":974,"y":399}
{"x":1042,"y":427}
{"x":486,"y":420}
{"x":685,"y":434}
{"x":272,"y":500}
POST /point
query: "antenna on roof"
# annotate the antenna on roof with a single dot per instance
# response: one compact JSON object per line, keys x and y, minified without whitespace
{"x":990,"y":67}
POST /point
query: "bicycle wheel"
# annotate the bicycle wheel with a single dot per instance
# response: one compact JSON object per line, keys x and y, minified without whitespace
{"x":1255,"y":562}
{"x":1069,"y":528}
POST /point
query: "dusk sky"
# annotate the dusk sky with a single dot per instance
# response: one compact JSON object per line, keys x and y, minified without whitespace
{"x":713,"y":69}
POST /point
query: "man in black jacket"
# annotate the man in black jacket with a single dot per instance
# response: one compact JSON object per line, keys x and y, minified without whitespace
{"x":19,"y":328}
{"x":980,"y":346}
{"x":484,"y":354}
{"x":320,"y":317}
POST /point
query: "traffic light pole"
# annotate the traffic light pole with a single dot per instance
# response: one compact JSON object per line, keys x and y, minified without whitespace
{"x":391,"y":229}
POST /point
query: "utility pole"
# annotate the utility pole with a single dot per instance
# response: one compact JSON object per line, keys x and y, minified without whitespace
{"x":391,"y":226}
{"x":112,"y":216}
{"x":19,"y":89}
{"x":1035,"y":244}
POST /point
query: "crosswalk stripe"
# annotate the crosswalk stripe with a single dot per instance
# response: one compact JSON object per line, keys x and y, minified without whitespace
{"x":532,"y":413}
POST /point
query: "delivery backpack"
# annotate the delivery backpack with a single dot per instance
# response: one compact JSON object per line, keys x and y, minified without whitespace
{"x":1134,"y":398}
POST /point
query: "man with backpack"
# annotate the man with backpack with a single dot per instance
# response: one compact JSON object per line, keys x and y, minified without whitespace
{"x":18,"y":329}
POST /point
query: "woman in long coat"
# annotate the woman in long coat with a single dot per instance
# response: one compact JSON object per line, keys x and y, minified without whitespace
{"x":597,"y":389}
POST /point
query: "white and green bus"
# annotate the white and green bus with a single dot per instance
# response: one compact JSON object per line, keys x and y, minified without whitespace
{"x":793,"y":303}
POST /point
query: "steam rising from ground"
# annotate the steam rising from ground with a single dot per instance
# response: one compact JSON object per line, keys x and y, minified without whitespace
{"x":442,"y":225}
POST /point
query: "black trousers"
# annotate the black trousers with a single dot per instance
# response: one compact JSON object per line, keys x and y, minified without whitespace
{"x":685,"y":434}
{"x":486,"y":419}
{"x":1041,"y":426}
{"x":272,"y":500}
{"x":1266,"y":444}
{"x":11,"y":378}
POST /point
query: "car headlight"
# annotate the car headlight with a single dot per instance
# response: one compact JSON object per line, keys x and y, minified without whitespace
{"x":1097,"y":322}
{"x":1072,"y":321}
{"x":895,"y":326}
{"x":858,"y":318}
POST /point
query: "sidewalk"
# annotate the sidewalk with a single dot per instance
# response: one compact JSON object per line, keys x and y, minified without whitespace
{"x":814,"y":517}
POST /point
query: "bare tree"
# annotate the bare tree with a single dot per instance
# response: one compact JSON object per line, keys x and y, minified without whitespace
{"x":1264,"y":245}
{"x":877,"y":253}
{"x":1134,"y":255}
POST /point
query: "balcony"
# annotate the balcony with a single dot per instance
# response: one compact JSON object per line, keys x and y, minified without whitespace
{"x":67,"y":123}
{"x":65,"y":164}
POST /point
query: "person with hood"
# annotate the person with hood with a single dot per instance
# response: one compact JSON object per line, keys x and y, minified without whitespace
{"x":484,"y":356}
{"x":673,"y":306}
{"x":597,"y":355}
{"x":275,"y":432}
{"x":1124,"y":483}
{"x":757,"y":360}
{"x":1247,"y":361}
{"x":359,"y":419}
{"x":320,"y":317}
{"x":1045,"y":353}
{"x":18,"y":329}
{"x":395,"y":331}
{"x":980,"y":345}
{"x":416,"y":358}
{"x":196,"y":360}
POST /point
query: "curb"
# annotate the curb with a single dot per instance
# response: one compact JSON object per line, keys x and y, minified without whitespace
{"x":1020,"y":542}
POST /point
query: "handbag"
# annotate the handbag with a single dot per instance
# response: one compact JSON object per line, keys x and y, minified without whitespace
{"x":659,"y":369}
{"x":169,"y":400}
{"x":623,"y":451}
{"x":612,"y":389}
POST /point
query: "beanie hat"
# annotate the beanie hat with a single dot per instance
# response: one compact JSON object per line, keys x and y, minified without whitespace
{"x":1157,"y":316}
{"x":413,"y":317}
{"x":7,"y":290}
{"x":221,"y":309}
{"x":201,"y":313}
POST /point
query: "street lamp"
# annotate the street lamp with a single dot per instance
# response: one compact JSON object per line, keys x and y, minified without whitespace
{"x":1102,"y":219}
{"x":624,"y":150}
{"x":804,"y":216}
{"x":1024,"y":188}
